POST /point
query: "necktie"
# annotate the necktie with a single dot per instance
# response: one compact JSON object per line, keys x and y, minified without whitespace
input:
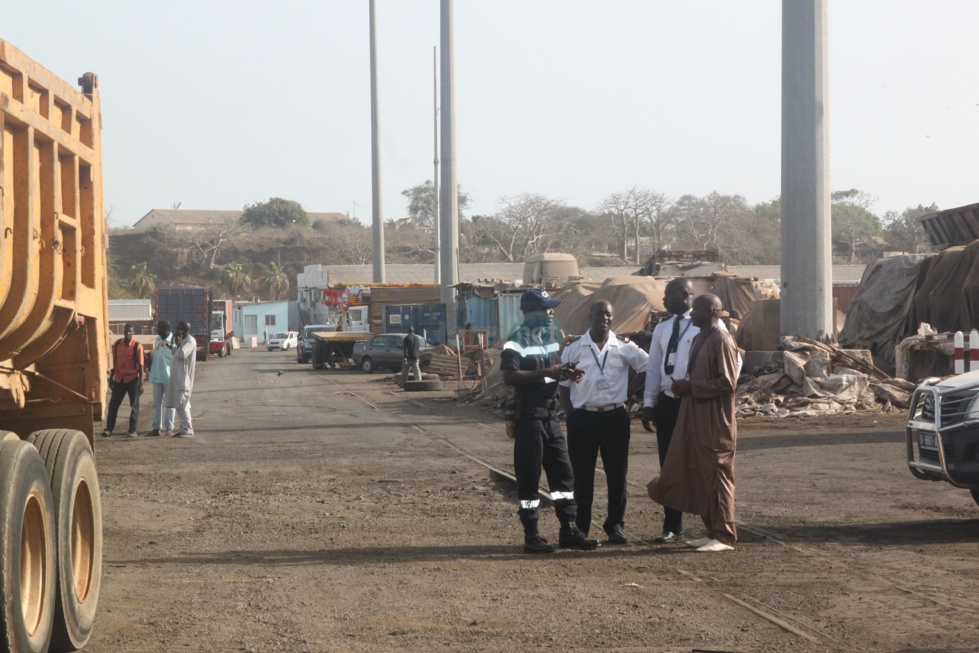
{"x":672,"y":346}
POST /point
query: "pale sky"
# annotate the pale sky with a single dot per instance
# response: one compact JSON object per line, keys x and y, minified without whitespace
{"x":220,"y":103}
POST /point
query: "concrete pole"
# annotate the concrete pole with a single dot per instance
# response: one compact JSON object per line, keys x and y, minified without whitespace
{"x":376,"y":213}
{"x":807,"y":287}
{"x":450,"y":200}
{"x":435,"y":177}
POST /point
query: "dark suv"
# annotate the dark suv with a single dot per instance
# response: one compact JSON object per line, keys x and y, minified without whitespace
{"x":386,"y":350}
{"x":304,"y":351}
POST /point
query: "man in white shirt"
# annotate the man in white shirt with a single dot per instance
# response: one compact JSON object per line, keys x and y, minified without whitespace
{"x":184,"y":348}
{"x":669,"y":354}
{"x":598,"y":421}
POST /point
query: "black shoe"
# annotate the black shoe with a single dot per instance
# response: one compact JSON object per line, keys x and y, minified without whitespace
{"x":617,"y":536}
{"x":537,"y":544}
{"x":572,"y":538}
{"x":666,"y":537}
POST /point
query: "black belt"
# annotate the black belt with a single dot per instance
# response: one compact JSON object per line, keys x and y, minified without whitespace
{"x":553,"y":404}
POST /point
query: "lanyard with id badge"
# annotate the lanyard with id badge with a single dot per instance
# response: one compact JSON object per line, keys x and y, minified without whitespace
{"x":603,"y":383}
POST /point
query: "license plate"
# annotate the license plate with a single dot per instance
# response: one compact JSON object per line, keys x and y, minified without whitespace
{"x":927,"y":441}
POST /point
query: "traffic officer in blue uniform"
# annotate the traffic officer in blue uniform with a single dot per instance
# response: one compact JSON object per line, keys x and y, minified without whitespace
{"x":529,"y":364}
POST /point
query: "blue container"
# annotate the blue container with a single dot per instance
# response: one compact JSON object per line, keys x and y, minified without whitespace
{"x":427,"y":319}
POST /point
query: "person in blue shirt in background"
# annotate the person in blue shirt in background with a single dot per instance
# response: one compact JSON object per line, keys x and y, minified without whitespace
{"x":159,"y":376}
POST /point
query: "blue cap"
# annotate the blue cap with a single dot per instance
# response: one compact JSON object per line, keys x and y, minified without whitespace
{"x":537,"y":298}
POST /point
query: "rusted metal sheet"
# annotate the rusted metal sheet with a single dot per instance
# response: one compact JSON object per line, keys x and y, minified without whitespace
{"x":952,"y":227}
{"x":53,"y":350}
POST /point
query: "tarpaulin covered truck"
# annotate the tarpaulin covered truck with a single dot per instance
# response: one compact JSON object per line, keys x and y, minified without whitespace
{"x":53,"y":355}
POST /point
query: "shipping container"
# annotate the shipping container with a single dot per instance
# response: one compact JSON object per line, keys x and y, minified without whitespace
{"x":428,"y":320}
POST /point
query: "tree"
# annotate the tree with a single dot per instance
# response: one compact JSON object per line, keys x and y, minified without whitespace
{"x":276,"y":281}
{"x":234,"y":278}
{"x":421,"y":204}
{"x":627,"y":211}
{"x":903,"y":232}
{"x":140,"y":281}
{"x":854,"y":226}
{"x":526,"y":225}
{"x":208,"y":240}
{"x":276,"y":212}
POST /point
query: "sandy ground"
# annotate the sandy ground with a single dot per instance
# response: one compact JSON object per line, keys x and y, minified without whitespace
{"x":330,"y":511}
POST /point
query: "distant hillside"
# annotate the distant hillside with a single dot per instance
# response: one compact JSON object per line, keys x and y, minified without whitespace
{"x":179,"y":257}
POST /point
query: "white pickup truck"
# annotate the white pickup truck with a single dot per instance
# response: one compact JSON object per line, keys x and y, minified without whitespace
{"x":943,"y":431}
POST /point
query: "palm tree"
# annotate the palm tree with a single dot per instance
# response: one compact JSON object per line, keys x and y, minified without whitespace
{"x":276,"y":280}
{"x":140,"y":281}
{"x":235,"y":278}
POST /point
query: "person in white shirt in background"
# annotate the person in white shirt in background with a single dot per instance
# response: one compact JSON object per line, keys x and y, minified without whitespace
{"x":184,"y":350}
{"x":598,"y":421}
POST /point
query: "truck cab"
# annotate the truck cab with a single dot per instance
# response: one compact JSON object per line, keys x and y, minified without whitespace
{"x":357,"y":318}
{"x":942,"y":433}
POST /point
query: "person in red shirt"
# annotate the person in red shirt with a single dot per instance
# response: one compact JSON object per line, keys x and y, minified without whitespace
{"x":125,"y":378}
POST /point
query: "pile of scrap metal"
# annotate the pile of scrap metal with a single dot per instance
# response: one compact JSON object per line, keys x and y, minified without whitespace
{"x":808,"y":378}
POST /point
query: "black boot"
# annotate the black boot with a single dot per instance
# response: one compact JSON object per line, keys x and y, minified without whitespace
{"x":572,"y":538}
{"x":533,"y":542}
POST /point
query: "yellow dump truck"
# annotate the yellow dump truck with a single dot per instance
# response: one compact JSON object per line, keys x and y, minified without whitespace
{"x":53,"y":355}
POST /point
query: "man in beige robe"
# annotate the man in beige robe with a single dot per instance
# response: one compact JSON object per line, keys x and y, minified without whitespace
{"x":698,"y":473}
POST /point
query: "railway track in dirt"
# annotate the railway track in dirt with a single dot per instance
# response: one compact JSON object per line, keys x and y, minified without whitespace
{"x":790,"y":624}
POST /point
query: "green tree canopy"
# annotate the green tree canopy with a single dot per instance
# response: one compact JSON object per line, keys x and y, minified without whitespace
{"x":276,"y":212}
{"x":421,"y":204}
{"x":276,"y":281}
{"x":140,"y":281}
{"x":855,"y":228}
{"x":234,"y":278}
{"x":903,"y":231}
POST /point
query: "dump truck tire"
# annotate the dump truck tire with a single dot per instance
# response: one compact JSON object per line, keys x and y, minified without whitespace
{"x":27,"y":549}
{"x":975,"y":495}
{"x":74,"y":482}
{"x":421,"y":386}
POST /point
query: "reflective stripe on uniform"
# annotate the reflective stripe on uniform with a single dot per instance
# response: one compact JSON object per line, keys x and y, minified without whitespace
{"x":555,"y":496}
{"x":529,"y":505}
{"x":533,"y":350}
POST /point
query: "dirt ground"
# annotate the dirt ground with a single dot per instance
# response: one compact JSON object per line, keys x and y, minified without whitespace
{"x":330,"y":511}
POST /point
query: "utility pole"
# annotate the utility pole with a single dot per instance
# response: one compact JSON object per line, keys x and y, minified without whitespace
{"x":435,"y":177}
{"x":378,"y":220}
{"x":449,"y":206}
{"x":807,"y":285}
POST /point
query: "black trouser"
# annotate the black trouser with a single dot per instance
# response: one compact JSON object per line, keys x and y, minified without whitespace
{"x":539,"y":443}
{"x":590,"y":434}
{"x":665,"y":412}
{"x":120,"y":390}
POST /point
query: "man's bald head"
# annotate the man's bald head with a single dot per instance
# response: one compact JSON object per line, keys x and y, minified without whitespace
{"x":706,"y":310}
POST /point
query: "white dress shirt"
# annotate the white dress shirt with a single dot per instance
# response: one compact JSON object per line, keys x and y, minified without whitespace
{"x":657,"y":380}
{"x":606,"y":379}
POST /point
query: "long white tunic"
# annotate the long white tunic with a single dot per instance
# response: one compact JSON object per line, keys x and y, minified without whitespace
{"x":182,"y":373}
